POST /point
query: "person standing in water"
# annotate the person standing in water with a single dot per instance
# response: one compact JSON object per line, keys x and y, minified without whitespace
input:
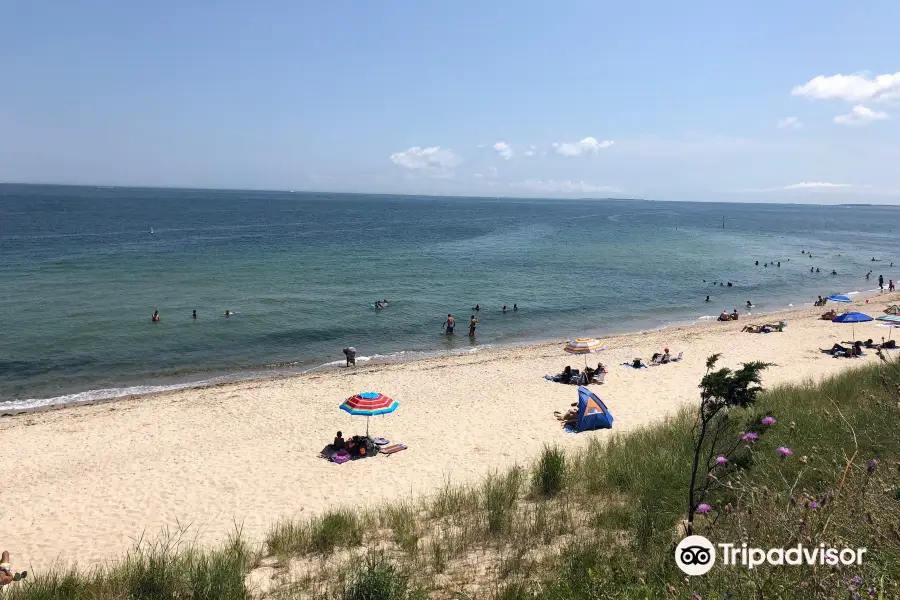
{"x":449,"y":324}
{"x":707,"y":298}
{"x":472,"y":323}
{"x":504,"y":309}
{"x":194,"y":315}
{"x":155,"y":317}
{"x":515,"y":307}
{"x":881,"y":282}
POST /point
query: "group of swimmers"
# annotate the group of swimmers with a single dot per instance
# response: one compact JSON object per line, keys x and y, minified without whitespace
{"x":155,"y":317}
{"x":450,"y":323}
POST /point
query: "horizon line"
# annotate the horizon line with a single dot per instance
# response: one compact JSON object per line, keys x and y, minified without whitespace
{"x":428,"y":195}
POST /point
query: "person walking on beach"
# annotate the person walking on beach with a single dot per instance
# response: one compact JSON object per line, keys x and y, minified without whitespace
{"x":449,"y":324}
{"x":891,"y":285}
{"x":881,"y":282}
{"x":472,"y":323}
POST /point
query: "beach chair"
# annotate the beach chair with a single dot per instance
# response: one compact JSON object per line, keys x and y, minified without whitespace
{"x":677,"y":358}
{"x":599,"y":376}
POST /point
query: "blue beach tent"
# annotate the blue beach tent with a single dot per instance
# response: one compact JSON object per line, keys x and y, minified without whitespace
{"x":592,"y":413}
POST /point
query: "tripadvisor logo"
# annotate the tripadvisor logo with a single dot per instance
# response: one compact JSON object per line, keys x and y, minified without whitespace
{"x":696,"y":555}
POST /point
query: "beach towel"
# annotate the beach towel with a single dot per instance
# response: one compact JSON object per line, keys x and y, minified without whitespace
{"x":393,"y":449}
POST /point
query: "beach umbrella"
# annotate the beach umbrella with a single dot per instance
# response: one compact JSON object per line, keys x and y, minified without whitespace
{"x":892,"y":327}
{"x":839,"y":299}
{"x":369,"y":404}
{"x":852,"y":318}
{"x":892,"y":310}
{"x":889,"y":319}
{"x":583,"y":346}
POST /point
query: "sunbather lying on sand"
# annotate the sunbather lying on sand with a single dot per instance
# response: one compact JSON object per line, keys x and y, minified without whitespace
{"x":828,"y":315}
{"x":839,"y":350}
{"x":6,"y":574}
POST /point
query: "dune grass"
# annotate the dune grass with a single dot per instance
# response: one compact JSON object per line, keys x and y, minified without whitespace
{"x":599,"y":523}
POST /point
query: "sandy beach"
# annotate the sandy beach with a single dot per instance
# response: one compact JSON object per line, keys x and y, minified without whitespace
{"x":83,"y":483}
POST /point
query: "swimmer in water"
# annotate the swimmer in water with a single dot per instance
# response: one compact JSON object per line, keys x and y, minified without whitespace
{"x":449,"y":324}
{"x":477,"y":307}
{"x":194,"y":315}
{"x":228,"y":313}
{"x":504,"y":308}
{"x":757,"y":263}
{"x":155,"y":317}
{"x":729,"y":284}
{"x":707,"y":298}
{"x":749,"y":304}
{"x":472,"y":323}
{"x":516,"y":306}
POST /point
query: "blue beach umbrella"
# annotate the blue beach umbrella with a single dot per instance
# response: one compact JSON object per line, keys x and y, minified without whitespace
{"x":852,"y":318}
{"x":839,"y":299}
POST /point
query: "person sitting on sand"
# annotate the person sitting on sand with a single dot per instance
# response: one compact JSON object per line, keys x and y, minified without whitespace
{"x":734,"y":315}
{"x":339,"y":443}
{"x":666,"y":357}
{"x":570,"y":417}
{"x":6,"y":574}
{"x":724,"y":316}
{"x":566,"y":375}
{"x":828,"y":315}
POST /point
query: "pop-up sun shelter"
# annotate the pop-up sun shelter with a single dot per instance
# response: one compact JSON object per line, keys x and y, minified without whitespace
{"x":592,"y":413}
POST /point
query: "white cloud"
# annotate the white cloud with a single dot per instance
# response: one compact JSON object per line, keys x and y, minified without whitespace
{"x":851,"y":88}
{"x":563,"y":187}
{"x":532,"y":150}
{"x":585,"y":146}
{"x":490,"y":173}
{"x":815,"y":185}
{"x":860,"y":115}
{"x":807,"y":185}
{"x":789,"y":123}
{"x":504,"y":150}
{"x":433,"y":160}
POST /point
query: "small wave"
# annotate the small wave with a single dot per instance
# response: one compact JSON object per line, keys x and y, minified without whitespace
{"x":91,"y":396}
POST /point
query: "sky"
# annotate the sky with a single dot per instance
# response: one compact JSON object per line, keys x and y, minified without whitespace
{"x":758,"y":101}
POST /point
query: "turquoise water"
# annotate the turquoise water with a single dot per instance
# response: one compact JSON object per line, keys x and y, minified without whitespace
{"x":81,"y":274}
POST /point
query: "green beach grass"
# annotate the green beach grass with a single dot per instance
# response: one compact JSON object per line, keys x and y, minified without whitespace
{"x":599,"y":523}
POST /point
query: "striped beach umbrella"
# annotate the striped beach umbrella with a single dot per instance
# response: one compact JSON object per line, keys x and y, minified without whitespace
{"x":369,"y":404}
{"x":583,"y":346}
{"x":892,"y":310}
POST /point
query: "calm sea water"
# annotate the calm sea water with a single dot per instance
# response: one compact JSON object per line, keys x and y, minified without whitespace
{"x":81,"y":274}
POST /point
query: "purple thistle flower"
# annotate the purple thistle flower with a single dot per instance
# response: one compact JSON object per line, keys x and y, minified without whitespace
{"x":703,"y":508}
{"x":784,"y":451}
{"x":768,"y":420}
{"x":750,"y":437}
{"x":856,"y":581}
{"x":814,"y":505}
{"x":871,"y":465}
{"x":721,"y":460}
{"x":696,"y":596}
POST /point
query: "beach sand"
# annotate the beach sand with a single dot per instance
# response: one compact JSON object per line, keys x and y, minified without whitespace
{"x":83,"y":483}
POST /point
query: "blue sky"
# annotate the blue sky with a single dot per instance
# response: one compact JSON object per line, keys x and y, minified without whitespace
{"x":690,"y":101}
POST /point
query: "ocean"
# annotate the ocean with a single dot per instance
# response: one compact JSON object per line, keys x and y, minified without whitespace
{"x":83,"y":268}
